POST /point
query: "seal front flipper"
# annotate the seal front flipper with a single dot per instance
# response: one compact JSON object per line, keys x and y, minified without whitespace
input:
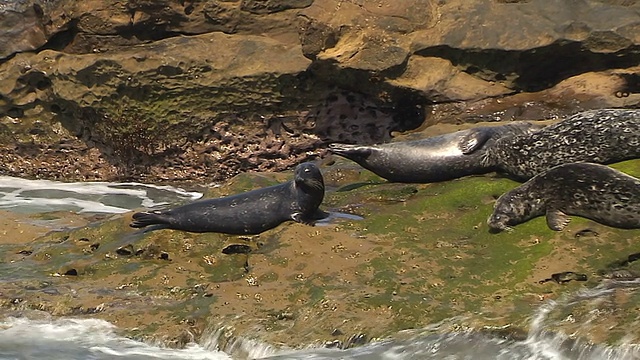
{"x":309,"y":220}
{"x":474,"y":140}
{"x":557,"y":220}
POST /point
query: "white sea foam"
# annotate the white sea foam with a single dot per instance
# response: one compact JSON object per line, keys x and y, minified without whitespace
{"x":30,"y":196}
{"x":95,"y":339}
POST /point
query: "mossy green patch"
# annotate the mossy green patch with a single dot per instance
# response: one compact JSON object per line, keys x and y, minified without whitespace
{"x":631,"y":167}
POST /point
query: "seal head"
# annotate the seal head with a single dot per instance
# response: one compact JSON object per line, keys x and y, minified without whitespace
{"x":308,"y":185}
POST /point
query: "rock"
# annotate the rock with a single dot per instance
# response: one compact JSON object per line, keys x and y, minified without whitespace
{"x":195,"y":82}
{"x":444,"y":82}
{"x":28,"y":24}
{"x":271,"y":6}
{"x":527,"y":53}
{"x":237,"y":249}
{"x":167,"y":90}
{"x":126,"y":250}
{"x":522,"y":53}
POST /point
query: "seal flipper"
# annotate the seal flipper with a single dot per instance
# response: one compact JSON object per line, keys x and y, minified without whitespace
{"x":297,"y":217}
{"x":309,"y":220}
{"x":143,"y":219}
{"x":350,"y":151}
{"x":557,"y":220}
{"x":474,"y":140}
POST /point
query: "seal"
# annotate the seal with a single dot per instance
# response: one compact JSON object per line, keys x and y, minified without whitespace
{"x":602,"y":136}
{"x":432,"y":159}
{"x":247,"y":213}
{"x":589,"y":190}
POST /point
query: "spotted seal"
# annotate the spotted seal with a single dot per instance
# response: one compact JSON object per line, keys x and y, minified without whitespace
{"x":432,"y":159}
{"x":602,"y":136}
{"x":247,"y":213}
{"x":589,"y":190}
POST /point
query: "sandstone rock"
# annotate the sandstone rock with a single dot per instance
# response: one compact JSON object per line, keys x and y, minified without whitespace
{"x":271,"y":6}
{"x":138,"y":98}
{"x":519,"y":45}
{"x":28,"y":24}
{"x":592,"y":90}
{"x":200,"y":66}
{"x":102,"y":25}
{"x":108,"y":25}
{"x":440,"y":81}
{"x":164,"y":67}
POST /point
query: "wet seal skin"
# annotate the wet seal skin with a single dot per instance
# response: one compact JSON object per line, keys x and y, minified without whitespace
{"x":592,"y":191}
{"x":247,"y":213}
{"x":604,"y":136}
{"x":433,"y":159}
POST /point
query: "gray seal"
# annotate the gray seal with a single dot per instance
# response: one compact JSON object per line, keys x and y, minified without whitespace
{"x":247,"y":213}
{"x":432,"y":159}
{"x":604,"y":136}
{"x":589,"y":190}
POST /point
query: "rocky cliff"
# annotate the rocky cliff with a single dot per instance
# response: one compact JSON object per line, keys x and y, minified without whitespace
{"x":193,"y":90}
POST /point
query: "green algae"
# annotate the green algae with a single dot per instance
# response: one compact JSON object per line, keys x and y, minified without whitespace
{"x":474,"y":264}
{"x":631,"y":167}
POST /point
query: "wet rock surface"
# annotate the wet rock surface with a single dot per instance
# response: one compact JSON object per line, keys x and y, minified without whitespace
{"x":193,"y":91}
{"x":422,"y":254}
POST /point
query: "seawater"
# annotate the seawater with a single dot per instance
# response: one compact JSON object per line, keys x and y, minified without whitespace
{"x":33,"y":196}
{"x":68,"y":338}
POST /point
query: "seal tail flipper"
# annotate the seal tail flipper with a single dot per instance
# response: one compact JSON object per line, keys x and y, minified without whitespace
{"x":143,"y":219}
{"x":557,"y":220}
{"x":350,"y":151}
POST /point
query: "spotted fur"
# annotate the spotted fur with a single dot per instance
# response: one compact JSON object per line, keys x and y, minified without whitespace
{"x":602,"y":136}
{"x":589,"y":190}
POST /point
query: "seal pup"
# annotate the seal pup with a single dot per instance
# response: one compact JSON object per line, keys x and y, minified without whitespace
{"x":247,"y":213}
{"x":589,"y":190}
{"x":432,"y":159}
{"x":602,"y":136}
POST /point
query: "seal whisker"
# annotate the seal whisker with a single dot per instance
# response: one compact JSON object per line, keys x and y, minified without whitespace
{"x":315,"y":184}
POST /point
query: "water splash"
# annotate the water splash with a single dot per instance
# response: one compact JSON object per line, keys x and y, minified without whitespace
{"x":31,"y":196}
{"x":84,"y":339}
{"x":557,"y":345}
{"x":543,"y":341}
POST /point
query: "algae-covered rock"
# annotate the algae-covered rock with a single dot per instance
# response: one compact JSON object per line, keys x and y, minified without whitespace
{"x":421,"y":254}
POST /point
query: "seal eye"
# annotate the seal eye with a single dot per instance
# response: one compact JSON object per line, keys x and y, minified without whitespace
{"x":307,"y":170}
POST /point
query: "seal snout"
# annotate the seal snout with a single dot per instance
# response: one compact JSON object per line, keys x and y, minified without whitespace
{"x":498,"y":223}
